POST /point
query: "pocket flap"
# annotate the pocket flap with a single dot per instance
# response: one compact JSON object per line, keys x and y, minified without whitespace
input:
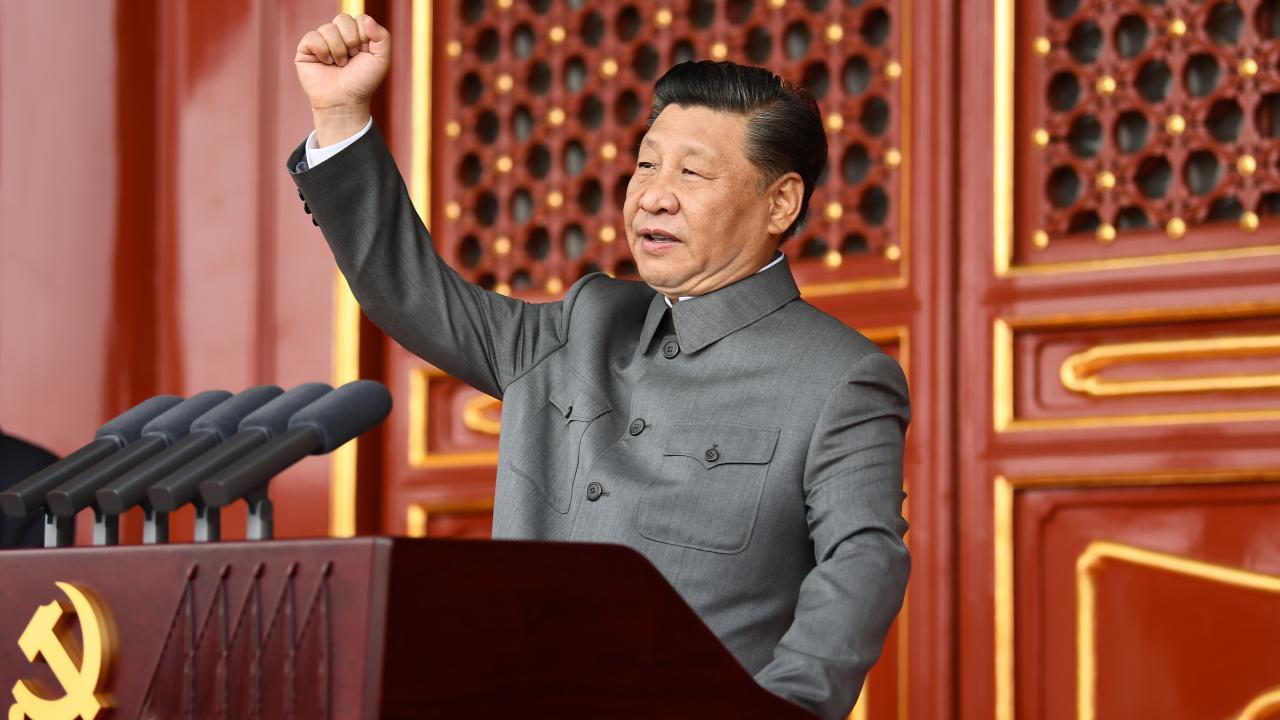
{"x":576,"y":399}
{"x":715,"y":444}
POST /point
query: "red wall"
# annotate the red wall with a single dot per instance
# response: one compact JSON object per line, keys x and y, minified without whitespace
{"x":150,"y":238}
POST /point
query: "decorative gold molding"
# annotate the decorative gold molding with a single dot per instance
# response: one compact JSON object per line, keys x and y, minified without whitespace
{"x":1265,"y":705}
{"x":898,"y":335}
{"x":1003,"y":181}
{"x":1090,"y":562}
{"x":1003,"y":330}
{"x":420,"y":110}
{"x":1003,"y":520}
{"x":475,"y":415}
{"x":1078,"y":372}
{"x":346,"y":368}
{"x":419,"y":513}
{"x":1004,"y":496}
{"x":860,"y":711}
{"x":420,"y":455}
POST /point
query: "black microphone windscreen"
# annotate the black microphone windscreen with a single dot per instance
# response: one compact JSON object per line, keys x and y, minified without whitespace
{"x":224,"y":419}
{"x":274,"y":416}
{"x":174,"y":423}
{"x":345,"y":412}
{"x":127,"y":426}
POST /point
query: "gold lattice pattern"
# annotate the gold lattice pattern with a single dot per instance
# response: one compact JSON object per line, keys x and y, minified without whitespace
{"x":544,"y":105}
{"x":1151,"y":115}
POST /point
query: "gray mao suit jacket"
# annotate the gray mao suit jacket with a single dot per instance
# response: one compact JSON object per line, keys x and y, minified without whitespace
{"x":747,"y":444}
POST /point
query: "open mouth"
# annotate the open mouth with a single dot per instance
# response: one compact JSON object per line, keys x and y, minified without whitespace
{"x":658,"y":237}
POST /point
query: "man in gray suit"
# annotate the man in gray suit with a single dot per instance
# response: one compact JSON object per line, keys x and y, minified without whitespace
{"x":747,"y":444}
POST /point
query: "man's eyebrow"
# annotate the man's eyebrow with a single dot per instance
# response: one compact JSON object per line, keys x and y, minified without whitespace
{"x":688,"y":147}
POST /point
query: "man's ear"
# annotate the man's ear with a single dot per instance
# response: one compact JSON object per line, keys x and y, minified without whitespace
{"x":785,"y":196}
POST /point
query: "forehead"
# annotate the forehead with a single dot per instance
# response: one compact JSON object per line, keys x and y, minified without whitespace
{"x":698,"y":131}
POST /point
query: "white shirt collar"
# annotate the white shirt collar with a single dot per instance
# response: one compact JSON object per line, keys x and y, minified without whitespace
{"x":777,"y":259}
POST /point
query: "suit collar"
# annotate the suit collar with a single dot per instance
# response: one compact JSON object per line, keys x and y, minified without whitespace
{"x":703,"y":320}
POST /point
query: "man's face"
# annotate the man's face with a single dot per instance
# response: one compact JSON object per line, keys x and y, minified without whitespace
{"x":696,"y":219}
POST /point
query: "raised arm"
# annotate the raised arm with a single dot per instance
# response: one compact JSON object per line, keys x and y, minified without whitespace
{"x":360,"y":202}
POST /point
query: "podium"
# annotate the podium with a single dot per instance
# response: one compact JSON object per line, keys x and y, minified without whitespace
{"x":360,"y":628}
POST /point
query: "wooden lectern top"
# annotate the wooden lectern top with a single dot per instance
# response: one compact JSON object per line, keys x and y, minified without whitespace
{"x":360,"y":628}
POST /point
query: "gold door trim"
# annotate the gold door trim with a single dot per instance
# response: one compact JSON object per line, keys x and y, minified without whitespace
{"x":346,"y":368}
{"x":1262,"y":706}
{"x":1004,"y":494}
{"x":1003,"y":180}
{"x":1003,"y":329}
{"x":419,"y":513}
{"x":1090,"y":562}
{"x":1078,"y":372}
{"x":420,"y":455}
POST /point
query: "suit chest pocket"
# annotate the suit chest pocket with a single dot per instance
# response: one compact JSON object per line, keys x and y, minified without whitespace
{"x":708,"y":491}
{"x":547,"y":438}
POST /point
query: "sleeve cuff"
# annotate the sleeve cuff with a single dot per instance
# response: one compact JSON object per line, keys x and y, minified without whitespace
{"x":317,"y":154}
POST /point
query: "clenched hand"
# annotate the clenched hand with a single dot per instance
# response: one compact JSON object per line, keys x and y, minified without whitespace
{"x":340,"y":64}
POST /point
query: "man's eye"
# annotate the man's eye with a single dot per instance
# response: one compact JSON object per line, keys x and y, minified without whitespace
{"x":687,"y":171}
{"x":644,"y":165}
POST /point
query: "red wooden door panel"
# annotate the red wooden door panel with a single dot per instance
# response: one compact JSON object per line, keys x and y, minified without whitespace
{"x":1118,"y":320}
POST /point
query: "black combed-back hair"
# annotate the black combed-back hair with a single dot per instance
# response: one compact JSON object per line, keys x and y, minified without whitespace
{"x":784,"y":126}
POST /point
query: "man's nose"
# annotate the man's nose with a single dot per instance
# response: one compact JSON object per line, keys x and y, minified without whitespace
{"x":658,"y":197}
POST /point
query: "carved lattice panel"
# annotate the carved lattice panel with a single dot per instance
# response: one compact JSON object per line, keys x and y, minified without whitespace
{"x":1145,"y":127}
{"x":544,"y":103}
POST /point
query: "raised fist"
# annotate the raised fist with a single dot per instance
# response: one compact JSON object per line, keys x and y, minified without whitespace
{"x":340,"y":64}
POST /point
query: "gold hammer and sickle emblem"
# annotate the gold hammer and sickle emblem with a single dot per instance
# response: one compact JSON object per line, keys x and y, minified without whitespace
{"x":79,"y":668}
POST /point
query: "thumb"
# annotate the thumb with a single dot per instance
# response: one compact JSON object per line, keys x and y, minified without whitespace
{"x":379,"y":38}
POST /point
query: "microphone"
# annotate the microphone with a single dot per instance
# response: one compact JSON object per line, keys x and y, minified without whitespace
{"x":181,"y":487}
{"x":28,"y":496}
{"x":206,"y":431}
{"x":319,"y":428}
{"x":77,"y":493}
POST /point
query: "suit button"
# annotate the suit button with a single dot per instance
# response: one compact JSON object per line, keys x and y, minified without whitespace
{"x":300,"y":197}
{"x":594,"y":491}
{"x":314,"y":221}
{"x":306,"y":208}
{"x":712,"y":455}
{"x":670,"y":349}
{"x":637,"y":426}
